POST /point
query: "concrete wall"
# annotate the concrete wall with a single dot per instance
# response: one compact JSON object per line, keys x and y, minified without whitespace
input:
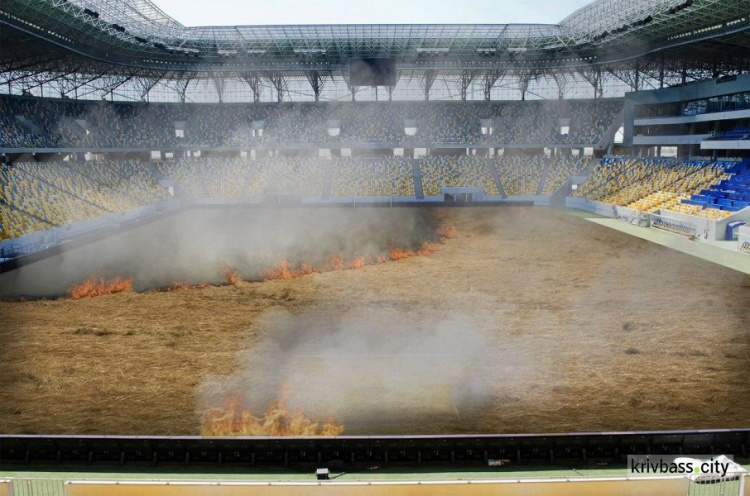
{"x":537,"y":200}
{"x":663,"y":486}
{"x":593,"y":206}
{"x":725,"y":145}
{"x":690,"y":119}
{"x":704,"y":228}
{"x":744,"y":235}
{"x":685,"y":139}
{"x":721,"y":225}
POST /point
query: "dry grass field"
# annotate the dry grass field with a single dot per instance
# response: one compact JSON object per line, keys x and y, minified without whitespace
{"x":530,"y":320}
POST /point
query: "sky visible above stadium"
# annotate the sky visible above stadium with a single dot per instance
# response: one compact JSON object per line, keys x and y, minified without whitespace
{"x":247,"y":12}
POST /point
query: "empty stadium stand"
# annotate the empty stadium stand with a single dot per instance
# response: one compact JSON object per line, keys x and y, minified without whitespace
{"x":372,"y":177}
{"x":456,"y":172}
{"x":711,"y":190}
{"x":731,"y":194}
{"x":520,"y":174}
{"x":561,"y":169}
{"x":53,"y":123}
{"x":738,"y":133}
{"x":37,"y":196}
{"x":288,"y":176}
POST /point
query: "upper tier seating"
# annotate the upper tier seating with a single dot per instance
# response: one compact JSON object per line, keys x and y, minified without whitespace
{"x":50,"y":123}
{"x":738,"y":133}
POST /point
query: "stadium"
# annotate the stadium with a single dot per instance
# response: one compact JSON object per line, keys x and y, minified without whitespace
{"x":417,"y":258}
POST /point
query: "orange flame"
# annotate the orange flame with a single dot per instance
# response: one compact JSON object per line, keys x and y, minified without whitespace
{"x":429,"y":248}
{"x":231,"y":420}
{"x":285,"y":270}
{"x":336,"y":262}
{"x":400,"y":253}
{"x":357,"y":263}
{"x":446,"y":231}
{"x":231,"y":276}
{"x":94,"y":286}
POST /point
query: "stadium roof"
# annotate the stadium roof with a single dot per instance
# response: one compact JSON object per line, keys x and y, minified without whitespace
{"x":137,"y":33}
{"x":127,"y":48}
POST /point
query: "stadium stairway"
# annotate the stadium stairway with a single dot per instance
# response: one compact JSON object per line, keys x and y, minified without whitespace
{"x":417,"y":176}
{"x":328,"y":180}
{"x":608,"y":137}
{"x":202,"y":181}
{"x":587,"y":170}
{"x":248,"y":180}
{"x":496,"y":177}
{"x":161,"y":179}
{"x":545,"y":173}
{"x":71,"y":124}
{"x":154,"y":170}
{"x":29,"y":125}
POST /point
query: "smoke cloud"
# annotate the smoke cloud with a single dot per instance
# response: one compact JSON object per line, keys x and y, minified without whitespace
{"x":384,"y":369}
{"x":198,"y":245}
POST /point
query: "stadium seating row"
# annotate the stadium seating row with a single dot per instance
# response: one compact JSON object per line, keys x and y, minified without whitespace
{"x":36,"y":196}
{"x":561,"y":169}
{"x":738,"y":133}
{"x":731,"y":194}
{"x":366,"y":177}
{"x":372,"y":177}
{"x":40,"y":195}
{"x":456,"y":172}
{"x":28,"y":122}
{"x":520,"y":175}
{"x":292,"y":176}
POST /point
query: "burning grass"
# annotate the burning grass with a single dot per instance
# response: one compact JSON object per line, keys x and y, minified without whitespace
{"x":443,"y":231}
{"x":98,"y":286}
{"x":440,"y":231}
{"x":233,"y":419}
{"x":288,"y":270}
{"x":232,"y":277}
